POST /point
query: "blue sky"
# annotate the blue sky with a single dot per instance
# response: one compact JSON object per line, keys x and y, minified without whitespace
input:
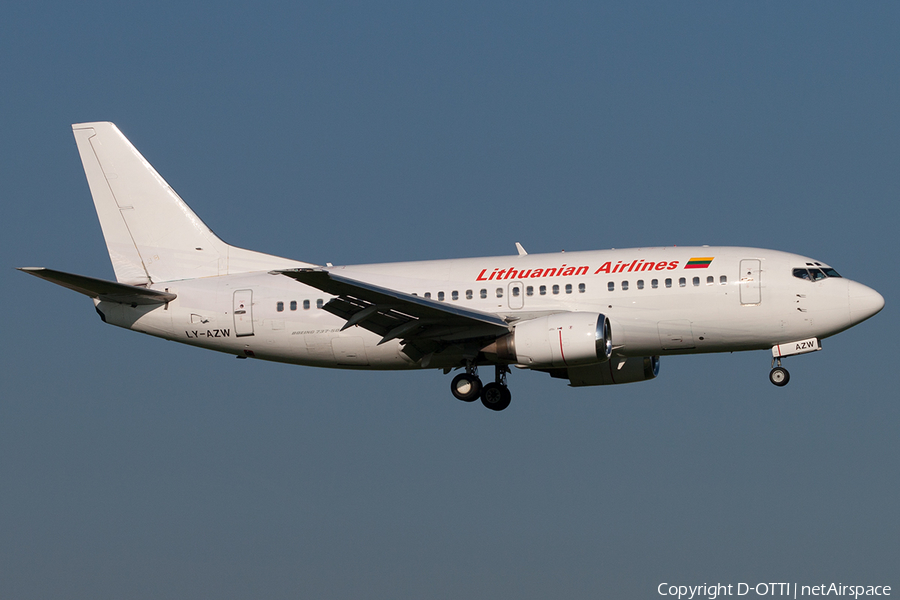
{"x":358,"y":132}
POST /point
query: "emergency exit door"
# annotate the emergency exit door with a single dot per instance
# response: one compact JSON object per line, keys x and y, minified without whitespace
{"x":516,"y":295}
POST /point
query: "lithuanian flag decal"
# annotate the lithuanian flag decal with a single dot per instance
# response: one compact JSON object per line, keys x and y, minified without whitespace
{"x":699,"y":262}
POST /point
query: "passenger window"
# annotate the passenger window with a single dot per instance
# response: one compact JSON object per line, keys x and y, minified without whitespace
{"x":555,"y":289}
{"x":543,"y":290}
{"x":710,"y":280}
{"x":723,"y":279}
{"x":696,"y":281}
{"x":499,"y":292}
{"x":320,"y":303}
{"x":529,"y":291}
{"x":293,"y":305}
{"x":468,"y":294}
{"x":668,"y":283}
{"x":581,"y":288}
{"x":654,"y":283}
{"x":682,"y":282}
{"x":440,"y":296}
{"x":279,"y":307}
{"x":483,"y":293}
{"x":428,"y":295}
{"x":640,"y":284}
{"x":611,"y":286}
{"x":624,"y":285}
{"x":568,"y":288}
{"x":306,"y":305}
{"x":454,"y":295}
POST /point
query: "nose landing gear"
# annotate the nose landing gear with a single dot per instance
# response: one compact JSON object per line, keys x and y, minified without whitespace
{"x":779,"y":375}
{"x":494,"y":395}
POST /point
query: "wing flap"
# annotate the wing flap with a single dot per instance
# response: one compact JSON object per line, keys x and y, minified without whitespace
{"x":108,"y":291}
{"x":393,"y":314}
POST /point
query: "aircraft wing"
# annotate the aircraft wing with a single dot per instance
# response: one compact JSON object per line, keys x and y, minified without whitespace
{"x":109,"y":291}
{"x":425,"y":324}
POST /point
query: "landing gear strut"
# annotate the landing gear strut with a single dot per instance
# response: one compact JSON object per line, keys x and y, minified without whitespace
{"x":779,"y":375}
{"x":496,"y":395}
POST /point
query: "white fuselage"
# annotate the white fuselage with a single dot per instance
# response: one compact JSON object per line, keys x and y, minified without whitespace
{"x":659,"y":301}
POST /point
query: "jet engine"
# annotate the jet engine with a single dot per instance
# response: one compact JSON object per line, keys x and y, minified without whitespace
{"x":557,"y":340}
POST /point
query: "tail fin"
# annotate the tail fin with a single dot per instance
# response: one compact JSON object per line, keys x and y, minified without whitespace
{"x":151,"y":234}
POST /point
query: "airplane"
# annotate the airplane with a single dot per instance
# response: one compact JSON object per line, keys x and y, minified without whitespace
{"x":594,"y":318}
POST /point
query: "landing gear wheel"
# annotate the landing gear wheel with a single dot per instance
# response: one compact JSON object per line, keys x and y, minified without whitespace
{"x":466,"y":387}
{"x":495,"y":396}
{"x":779,"y":376}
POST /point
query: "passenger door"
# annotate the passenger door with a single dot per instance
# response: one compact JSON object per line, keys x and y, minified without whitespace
{"x":243,"y":313}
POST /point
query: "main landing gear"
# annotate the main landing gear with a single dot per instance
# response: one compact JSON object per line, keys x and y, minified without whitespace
{"x":494,"y":395}
{"x":466,"y":386}
{"x":779,"y":375}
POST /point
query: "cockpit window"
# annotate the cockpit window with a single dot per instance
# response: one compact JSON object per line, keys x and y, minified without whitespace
{"x":815,"y":274}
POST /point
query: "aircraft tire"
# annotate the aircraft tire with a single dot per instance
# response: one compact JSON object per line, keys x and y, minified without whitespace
{"x":466,"y":387}
{"x":495,"y":396}
{"x":779,"y":376}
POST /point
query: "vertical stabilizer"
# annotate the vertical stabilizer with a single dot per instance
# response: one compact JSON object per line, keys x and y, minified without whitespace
{"x":151,"y":234}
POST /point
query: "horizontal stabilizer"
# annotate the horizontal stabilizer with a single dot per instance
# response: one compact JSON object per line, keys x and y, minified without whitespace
{"x":108,"y":291}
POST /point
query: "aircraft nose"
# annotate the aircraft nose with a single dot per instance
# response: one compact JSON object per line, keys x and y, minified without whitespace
{"x":864,"y":302}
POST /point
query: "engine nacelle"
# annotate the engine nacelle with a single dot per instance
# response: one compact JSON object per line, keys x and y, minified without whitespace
{"x":557,"y":340}
{"x":617,"y":370}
